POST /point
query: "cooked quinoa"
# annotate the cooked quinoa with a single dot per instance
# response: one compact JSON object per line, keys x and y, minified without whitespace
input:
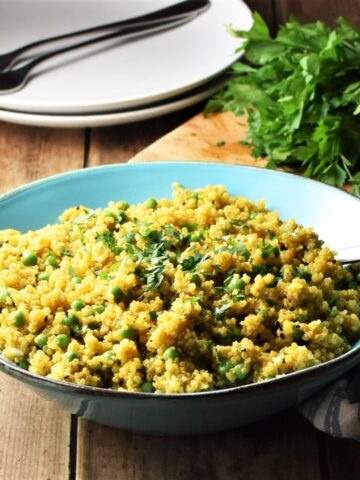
{"x":201,"y":292}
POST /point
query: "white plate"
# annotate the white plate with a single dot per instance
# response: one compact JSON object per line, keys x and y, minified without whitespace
{"x":117,"y":74}
{"x":113,"y":118}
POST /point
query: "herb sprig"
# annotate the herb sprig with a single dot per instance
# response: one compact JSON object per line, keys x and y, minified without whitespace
{"x":301,"y":94}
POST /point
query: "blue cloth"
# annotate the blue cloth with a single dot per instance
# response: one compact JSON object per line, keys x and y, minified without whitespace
{"x":336,"y":409}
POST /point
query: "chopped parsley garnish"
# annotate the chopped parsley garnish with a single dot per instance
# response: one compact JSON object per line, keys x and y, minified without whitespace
{"x":156,"y":253}
{"x":301,"y":273}
{"x":219,"y":312}
{"x":66,"y":253}
{"x":189,"y":263}
{"x":241,"y":250}
{"x":71,"y":271}
{"x":270,"y":250}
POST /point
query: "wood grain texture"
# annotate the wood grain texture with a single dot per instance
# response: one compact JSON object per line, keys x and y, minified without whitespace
{"x":198,"y":140}
{"x":29,"y":153}
{"x":118,"y":144}
{"x":342,"y":458}
{"x":34,"y":433}
{"x":266,"y":450}
{"x":267,"y":10}
{"x":327,"y":10}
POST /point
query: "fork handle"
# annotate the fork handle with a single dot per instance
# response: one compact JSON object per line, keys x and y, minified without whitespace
{"x":128,"y":31}
{"x":177,"y":11}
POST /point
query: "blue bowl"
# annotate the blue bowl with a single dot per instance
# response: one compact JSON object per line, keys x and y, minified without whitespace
{"x":333,"y":214}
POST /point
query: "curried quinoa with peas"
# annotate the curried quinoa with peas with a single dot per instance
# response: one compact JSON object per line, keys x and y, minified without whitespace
{"x":201,"y":292}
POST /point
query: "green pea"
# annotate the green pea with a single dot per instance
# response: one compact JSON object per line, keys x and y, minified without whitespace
{"x":240,"y":372}
{"x":151,"y":203}
{"x":70,"y":319}
{"x":171,"y":354}
{"x":153,"y":316}
{"x":41,"y":340}
{"x":109,"y":355}
{"x":123,"y":205}
{"x":334,"y":298}
{"x":128,"y":332}
{"x":103,"y":276}
{"x":189,"y":226}
{"x":71,"y":356}
{"x":23,"y":363}
{"x":19,"y":319}
{"x":202,"y":232}
{"x":236,"y":332}
{"x":29,"y":258}
{"x":52,"y":260}
{"x":44,"y":276}
{"x":147,"y":387}
{"x":94,"y":325}
{"x":4,"y":294}
{"x":195,"y":237}
{"x":224,"y":367}
{"x":109,"y":213}
{"x":77,"y":305}
{"x":99,"y":309}
{"x":353,"y":285}
{"x":62,"y":340}
{"x":297,"y":334}
{"x":116,"y":293}
{"x":235,"y":284}
{"x":299,"y":317}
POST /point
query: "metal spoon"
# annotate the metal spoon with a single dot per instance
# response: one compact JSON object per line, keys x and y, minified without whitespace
{"x":348,"y":255}
{"x":174,"y":12}
{"x":14,"y":80}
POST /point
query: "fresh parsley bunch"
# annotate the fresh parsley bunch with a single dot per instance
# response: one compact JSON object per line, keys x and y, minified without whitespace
{"x":301,"y":93}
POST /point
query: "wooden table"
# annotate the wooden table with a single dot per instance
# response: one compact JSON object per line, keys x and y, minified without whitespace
{"x":41,"y":442}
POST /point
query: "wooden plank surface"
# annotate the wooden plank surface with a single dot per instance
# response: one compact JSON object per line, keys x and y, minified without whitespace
{"x":119,"y":144}
{"x":267,"y":8}
{"x":30,"y":153}
{"x":342,"y":458}
{"x":326,"y":10}
{"x":201,"y":139}
{"x":268,"y":450}
{"x":34,"y":433}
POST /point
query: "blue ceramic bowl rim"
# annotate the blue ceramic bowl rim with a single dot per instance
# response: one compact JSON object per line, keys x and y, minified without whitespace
{"x":289,"y":378}
{"x":74,"y":388}
{"x":90,"y":170}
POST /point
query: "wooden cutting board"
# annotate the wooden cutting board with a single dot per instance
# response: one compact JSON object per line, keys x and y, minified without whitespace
{"x":216,"y":138}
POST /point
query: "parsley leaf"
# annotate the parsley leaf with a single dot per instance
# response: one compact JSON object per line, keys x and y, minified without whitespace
{"x":301,"y":94}
{"x":107,"y":238}
{"x":190,"y":263}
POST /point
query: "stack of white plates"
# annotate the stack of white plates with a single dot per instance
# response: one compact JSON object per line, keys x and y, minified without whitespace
{"x":117,"y":81}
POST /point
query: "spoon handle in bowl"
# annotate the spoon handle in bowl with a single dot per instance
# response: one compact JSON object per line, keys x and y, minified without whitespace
{"x":348,"y":254}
